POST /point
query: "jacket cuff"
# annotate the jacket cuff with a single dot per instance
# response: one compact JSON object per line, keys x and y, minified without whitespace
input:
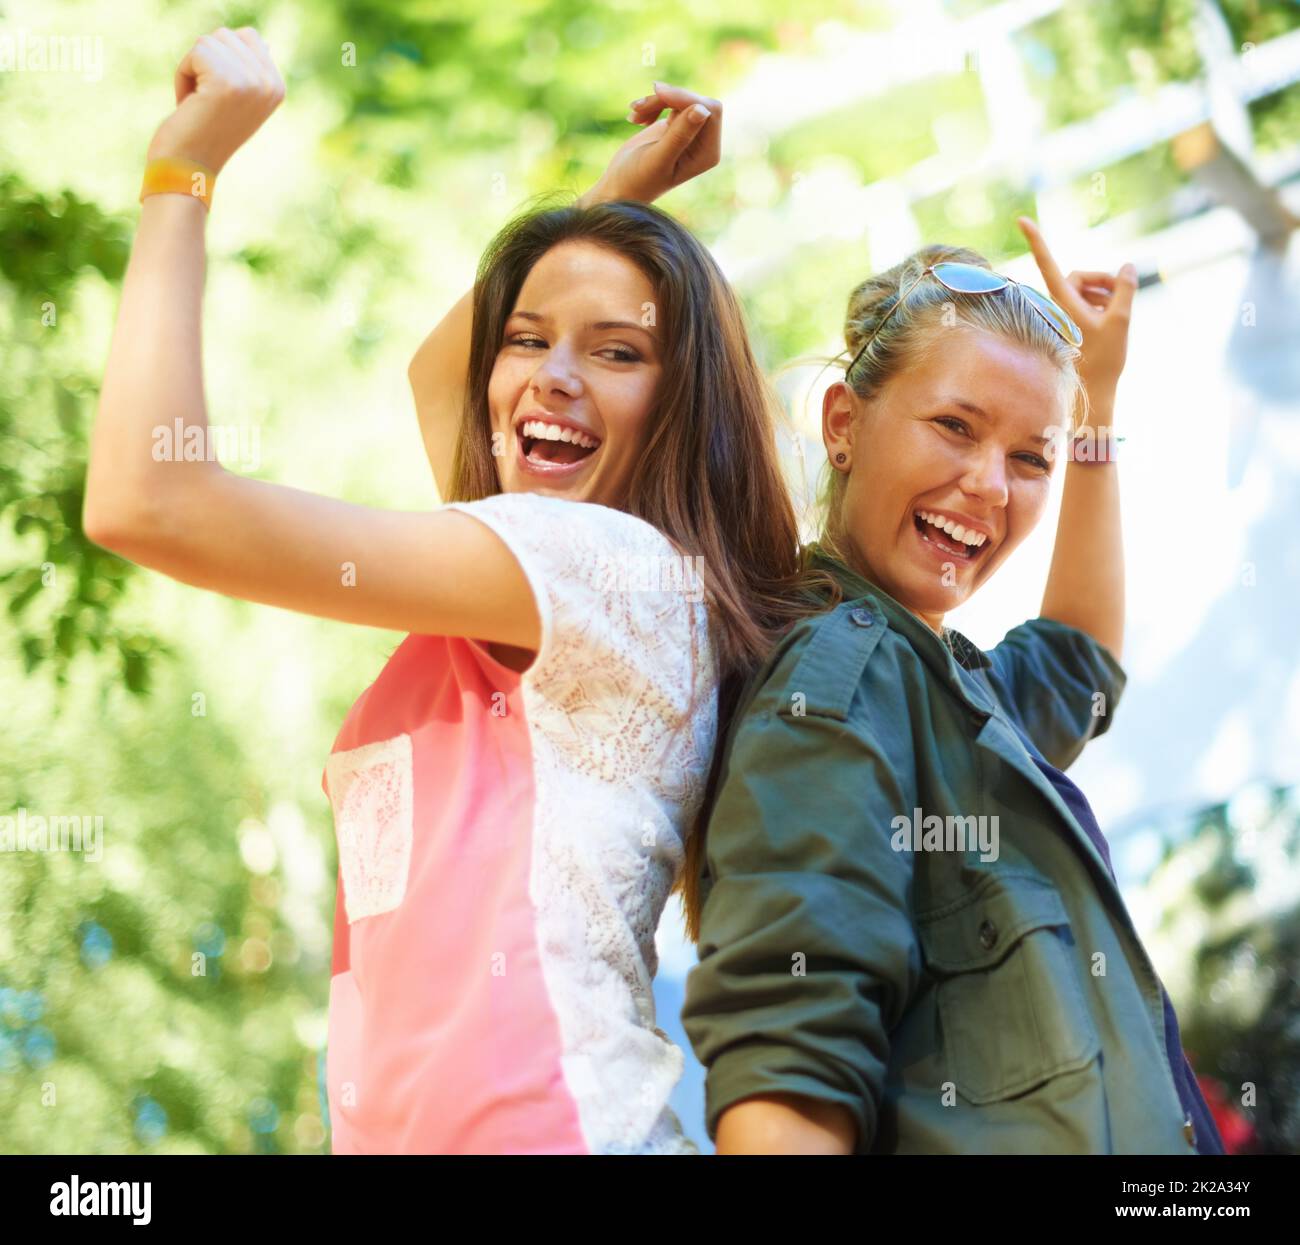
{"x":776,"y":1068}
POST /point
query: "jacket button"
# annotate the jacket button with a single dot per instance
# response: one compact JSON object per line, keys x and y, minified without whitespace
{"x":1189,"y":1131}
{"x":988,"y":934}
{"x":862,"y":617}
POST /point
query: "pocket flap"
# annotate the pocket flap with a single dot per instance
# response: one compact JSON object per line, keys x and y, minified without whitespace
{"x":982,"y":927}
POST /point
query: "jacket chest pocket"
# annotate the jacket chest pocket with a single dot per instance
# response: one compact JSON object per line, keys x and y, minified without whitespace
{"x":1011,"y":1007}
{"x":371,"y":791}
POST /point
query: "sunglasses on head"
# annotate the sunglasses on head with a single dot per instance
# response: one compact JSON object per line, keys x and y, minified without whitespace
{"x":968,"y":279}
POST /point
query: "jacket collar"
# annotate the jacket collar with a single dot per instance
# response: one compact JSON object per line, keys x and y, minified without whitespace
{"x":994,"y":730}
{"x":942,"y":657}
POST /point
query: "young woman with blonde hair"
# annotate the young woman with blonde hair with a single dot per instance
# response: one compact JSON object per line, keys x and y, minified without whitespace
{"x":911,"y":939}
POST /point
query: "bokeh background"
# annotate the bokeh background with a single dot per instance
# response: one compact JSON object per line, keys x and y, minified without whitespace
{"x":170,"y":995}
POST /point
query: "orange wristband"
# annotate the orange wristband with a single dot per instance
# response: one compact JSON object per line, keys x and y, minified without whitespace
{"x":172,"y":175}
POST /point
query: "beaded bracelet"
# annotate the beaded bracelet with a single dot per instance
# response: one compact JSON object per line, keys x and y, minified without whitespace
{"x":1087,"y":448}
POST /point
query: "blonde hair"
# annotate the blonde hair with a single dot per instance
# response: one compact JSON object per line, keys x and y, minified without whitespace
{"x":916,"y":329}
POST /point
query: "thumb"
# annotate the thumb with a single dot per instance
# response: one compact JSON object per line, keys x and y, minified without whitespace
{"x":186,"y":75}
{"x":682,"y":130}
{"x":1122,"y":302}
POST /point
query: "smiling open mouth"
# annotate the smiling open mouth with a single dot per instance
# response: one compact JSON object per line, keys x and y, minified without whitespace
{"x":947,"y":542}
{"x":554,"y":445}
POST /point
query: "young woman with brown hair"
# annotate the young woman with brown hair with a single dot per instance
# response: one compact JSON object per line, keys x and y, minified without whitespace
{"x":512,"y":793}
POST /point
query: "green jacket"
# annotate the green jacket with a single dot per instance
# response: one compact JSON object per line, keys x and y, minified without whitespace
{"x":966,"y":1000}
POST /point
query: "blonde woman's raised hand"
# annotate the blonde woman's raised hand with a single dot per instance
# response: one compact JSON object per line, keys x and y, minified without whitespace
{"x":226,"y":86}
{"x":1100,"y":303}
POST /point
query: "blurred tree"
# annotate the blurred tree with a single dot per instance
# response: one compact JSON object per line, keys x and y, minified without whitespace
{"x":1087,"y":54}
{"x":62,"y":590}
{"x":1227,"y":894}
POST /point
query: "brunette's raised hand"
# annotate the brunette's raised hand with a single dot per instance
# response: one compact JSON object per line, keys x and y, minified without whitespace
{"x":226,"y":86}
{"x":668,"y":151}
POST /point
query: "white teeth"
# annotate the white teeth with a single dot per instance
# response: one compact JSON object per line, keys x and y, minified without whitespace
{"x":539,"y":430}
{"x":954,"y":529}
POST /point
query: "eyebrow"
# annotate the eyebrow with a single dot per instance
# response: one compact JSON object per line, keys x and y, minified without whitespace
{"x":983,"y":414}
{"x":538,"y":318}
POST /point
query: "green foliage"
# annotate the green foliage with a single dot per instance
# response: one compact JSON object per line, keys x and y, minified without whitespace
{"x":1088,"y":54}
{"x":890,"y":139}
{"x":153,"y":999}
{"x":1142,"y":183}
{"x":979,"y":213}
{"x":61,"y":590}
{"x":1258,"y":21}
{"x":1275,"y":119}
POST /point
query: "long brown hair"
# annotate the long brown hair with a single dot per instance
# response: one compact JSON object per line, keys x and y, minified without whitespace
{"x":709,"y":476}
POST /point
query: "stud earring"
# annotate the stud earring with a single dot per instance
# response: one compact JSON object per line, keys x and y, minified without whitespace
{"x":839,"y":458}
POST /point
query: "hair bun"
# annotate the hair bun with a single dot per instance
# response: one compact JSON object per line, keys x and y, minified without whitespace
{"x":871,"y":301}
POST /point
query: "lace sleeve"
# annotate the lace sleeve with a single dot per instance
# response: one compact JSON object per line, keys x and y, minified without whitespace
{"x":624,"y":624}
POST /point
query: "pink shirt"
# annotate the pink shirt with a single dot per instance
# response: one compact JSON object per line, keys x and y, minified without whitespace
{"x":506,"y":846}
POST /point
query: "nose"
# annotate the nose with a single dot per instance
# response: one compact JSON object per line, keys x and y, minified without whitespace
{"x":986,"y":476}
{"x":557,"y":372}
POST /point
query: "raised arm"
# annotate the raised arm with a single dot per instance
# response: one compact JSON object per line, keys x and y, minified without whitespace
{"x":1085,"y":585}
{"x":439,"y":375}
{"x":187,"y":516}
{"x":665,"y":154}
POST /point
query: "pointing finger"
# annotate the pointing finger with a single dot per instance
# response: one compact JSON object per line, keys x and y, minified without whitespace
{"x":1057,"y":286}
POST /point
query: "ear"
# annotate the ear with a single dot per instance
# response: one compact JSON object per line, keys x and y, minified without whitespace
{"x":838,"y":414}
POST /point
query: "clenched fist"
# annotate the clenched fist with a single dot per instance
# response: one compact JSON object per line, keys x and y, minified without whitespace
{"x":226,"y":86}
